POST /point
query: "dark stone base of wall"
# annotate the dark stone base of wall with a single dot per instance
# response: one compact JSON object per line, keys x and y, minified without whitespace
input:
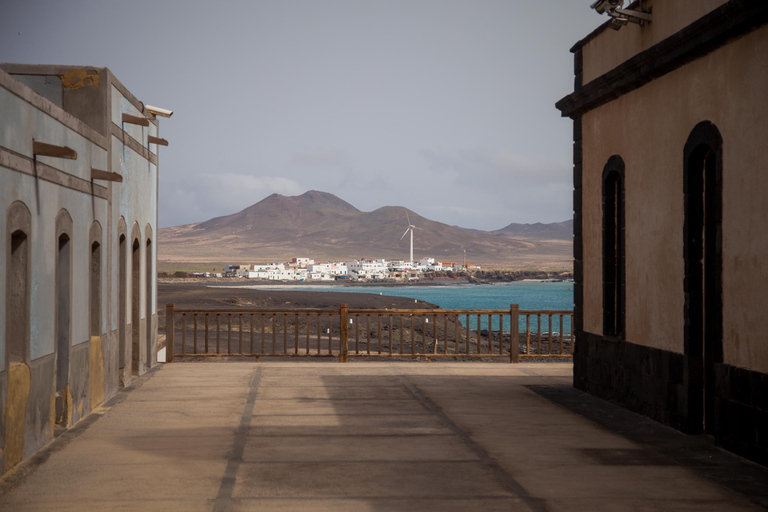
{"x":654,"y":382}
{"x":741,"y":405}
{"x":646,"y":380}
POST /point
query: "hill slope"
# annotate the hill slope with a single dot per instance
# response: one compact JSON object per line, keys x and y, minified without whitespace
{"x":321,"y":226}
{"x":553,"y":231}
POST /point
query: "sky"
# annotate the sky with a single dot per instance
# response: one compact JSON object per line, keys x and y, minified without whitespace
{"x":445,"y":107}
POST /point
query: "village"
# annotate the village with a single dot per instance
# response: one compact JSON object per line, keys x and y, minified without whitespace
{"x":305,"y":269}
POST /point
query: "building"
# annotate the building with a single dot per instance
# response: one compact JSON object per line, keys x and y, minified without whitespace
{"x":78,"y":207}
{"x":231,"y":270}
{"x":326,"y":271}
{"x":363,"y":269}
{"x":270,"y":271}
{"x":671,"y":218}
{"x":300,"y":262}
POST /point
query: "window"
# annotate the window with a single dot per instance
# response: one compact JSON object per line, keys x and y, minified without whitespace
{"x":63,"y":299}
{"x":17,"y":301}
{"x":95,"y":280}
{"x":703,"y":253}
{"x":614,"y":286}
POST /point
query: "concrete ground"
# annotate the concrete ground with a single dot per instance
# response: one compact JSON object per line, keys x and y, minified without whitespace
{"x":296,"y":436}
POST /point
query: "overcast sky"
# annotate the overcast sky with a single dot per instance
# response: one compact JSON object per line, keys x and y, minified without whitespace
{"x":445,"y":107}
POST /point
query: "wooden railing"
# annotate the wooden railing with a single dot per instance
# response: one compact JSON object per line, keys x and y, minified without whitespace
{"x":381,"y":333}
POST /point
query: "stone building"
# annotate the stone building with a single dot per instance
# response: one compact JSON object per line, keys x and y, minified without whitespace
{"x":671,"y":217}
{"x":78,"y":217}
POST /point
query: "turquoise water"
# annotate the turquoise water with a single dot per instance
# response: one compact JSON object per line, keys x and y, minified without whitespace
{"x":527,"y":294}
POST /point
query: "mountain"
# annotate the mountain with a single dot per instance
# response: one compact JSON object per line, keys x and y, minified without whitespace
{"x":324,"y":227}
{"x":553,"y":231}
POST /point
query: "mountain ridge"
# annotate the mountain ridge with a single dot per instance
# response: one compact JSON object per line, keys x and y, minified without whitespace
{"x":322,"y":226}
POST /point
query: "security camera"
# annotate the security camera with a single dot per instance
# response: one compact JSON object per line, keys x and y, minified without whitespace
{"x":159,"y":111}
{"x":602,"y":5}
{"x":617,"y":23}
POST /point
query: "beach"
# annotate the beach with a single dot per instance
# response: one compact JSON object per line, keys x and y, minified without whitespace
{"x":201,"y":296}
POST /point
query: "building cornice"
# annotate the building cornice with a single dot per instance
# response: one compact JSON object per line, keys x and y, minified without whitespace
{"x":43,"y":104}
{"x":701,"y":37}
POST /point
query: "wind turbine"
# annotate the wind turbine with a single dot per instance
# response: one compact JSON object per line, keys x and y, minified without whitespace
{"x":411,"y":227}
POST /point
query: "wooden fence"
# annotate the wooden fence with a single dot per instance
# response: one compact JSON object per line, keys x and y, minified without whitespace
{"x":359,"y":333}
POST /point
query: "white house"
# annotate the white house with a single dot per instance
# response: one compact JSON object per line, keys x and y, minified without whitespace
{"x":367,"y":269}
{"x":300,"y":262}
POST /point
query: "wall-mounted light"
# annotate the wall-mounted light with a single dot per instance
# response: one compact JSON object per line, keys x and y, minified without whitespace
{"x":164,"y":112}
{"x":617,"y":23}
{"x":615,"y":9}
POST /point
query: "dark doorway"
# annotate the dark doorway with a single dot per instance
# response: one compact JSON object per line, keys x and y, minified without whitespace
{"x":122,"y":305}
{"x":148,"y":303}
{"x":17,"y":300}
{"x":135,"y":307}
{"x":95,"y":295}
{"x":614,"y":281}
{"x":703,"y":270}
{"x":63,"y":315}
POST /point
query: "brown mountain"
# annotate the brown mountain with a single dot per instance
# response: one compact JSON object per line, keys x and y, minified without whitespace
{"x":553,"y":231}
{"x":322,"y":226}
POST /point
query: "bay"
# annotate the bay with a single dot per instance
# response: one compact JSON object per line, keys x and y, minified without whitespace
{"x":527,"y":294}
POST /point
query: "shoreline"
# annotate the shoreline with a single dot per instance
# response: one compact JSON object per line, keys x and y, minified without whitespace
{"x":233,"y":282}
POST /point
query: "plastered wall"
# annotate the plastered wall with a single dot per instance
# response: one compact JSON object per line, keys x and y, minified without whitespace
{"x":135,"y":199}
{"x":44,"y":200}
{"x":648,"y":128}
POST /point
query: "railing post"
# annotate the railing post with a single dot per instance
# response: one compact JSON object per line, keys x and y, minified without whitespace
{"x":343,"y":332}
{"x":169,"y":331}
{"x":514,"y":335}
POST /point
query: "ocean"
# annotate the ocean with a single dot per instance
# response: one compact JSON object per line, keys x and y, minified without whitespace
{"x":527,"y":294}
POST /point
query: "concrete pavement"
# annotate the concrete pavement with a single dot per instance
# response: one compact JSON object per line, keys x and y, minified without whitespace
{"x":374,"y":437}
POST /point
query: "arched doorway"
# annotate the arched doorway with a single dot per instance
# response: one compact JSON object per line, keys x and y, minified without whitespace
{"x":614,"y":253}
{"x":135,"y":307}
{"x":703,"y":284}
{"x":151,"y":355}
{"x":122,"y":306}
{"x":63,"y":298}
{"x":17,"y":331}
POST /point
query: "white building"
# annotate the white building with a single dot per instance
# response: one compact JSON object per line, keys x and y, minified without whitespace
{"x":367,"y":269}
{"x":301,"y":262}
{"x":326,"y":271}
{"x":270,"y":271}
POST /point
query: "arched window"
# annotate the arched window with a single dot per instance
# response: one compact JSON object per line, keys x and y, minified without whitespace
{"x":122,"y":300}
{"x":703,"y":253}
{"x":614,"y":281}
{"x":95,"y":280}
{"x":148,"y":296}
{"x":63,"y":298}
{"x":17,"y":279}
{"x":136,"y":352}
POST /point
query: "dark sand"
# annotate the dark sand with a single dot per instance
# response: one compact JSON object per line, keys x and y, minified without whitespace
{"x":197,"y":296}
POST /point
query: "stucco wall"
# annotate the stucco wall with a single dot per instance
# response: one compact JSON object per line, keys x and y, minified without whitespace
{"x":136,"y":202}
{"x":648,"y":128}
{"x":21,"y":123}
{"x":612,"y":47}
{"x":122,"y":105}
{"x":45,"y":189}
